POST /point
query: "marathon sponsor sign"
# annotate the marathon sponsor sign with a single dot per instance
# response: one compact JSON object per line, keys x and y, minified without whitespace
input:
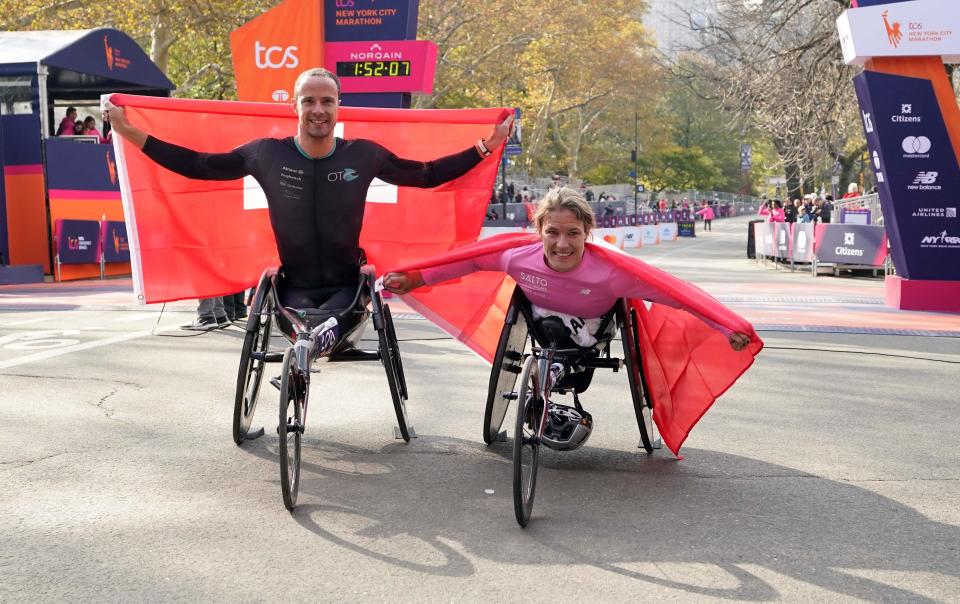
{"x":686,"y":228}
{"x":900,"y":29}
{"x":113,"y":241}
{"x":783,"y":238}
{"x":352,"y":20}
{"x":649,"y":235}
{"x":667,"y":231}
{"x":611,"y":236}
{"x":918,"y":177}
{"x":632,"y":237}
{"x":851,"y":244}
{"x":802,"y":242}
{"x":78,"y":241}
{"x":763,"y":237}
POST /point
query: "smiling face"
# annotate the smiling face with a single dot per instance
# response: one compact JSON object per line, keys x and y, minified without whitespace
{"x":317,"y":104}
{"x":563,"y":236}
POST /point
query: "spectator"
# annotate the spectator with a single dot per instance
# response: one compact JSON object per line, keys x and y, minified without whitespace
{"x":790,"y":211}
{"x":589,"y":195}
{"x":773,"y":210}
{"x":68,"y":123}
{"x":826,"y":209}
{"x":706,"y":212}
{"x":78,"y":128}
{"x":853,"y":190}
{"x":90,"y":129}
{"x":211,"y":314}
{"x":235,"y":307}
{"x":663,"y":205}
{"x":804,"y":213}
{"x":603,"y":196}
{"x":518,"y":198}
{"x":511,"y":190}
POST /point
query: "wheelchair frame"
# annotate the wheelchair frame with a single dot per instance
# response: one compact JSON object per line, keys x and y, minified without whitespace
{"x":265,"y":313}
{"x":539,"y":379}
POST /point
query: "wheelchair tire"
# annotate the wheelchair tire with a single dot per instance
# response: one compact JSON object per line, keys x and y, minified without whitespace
{"x":531,"y":416}
{"x":256,"y":342}
{"x":642,"y":403}
{"x":294,"y":386}
{"x":390,"y":357}
{"x":506,"y":367}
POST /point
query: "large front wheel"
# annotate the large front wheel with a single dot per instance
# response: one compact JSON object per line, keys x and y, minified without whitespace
{"x":293,"y":402}
{"x":531,"y":415}
{"x":256,"y":345}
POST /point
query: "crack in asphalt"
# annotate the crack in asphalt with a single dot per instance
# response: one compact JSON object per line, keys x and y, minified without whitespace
{"x":72,"y":379}
{"x":19,"y":463}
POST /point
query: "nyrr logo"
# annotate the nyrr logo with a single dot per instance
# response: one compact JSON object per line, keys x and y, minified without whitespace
{"x":941,"y":240}
{"x":113,"y":57}
{"x":275,"y":57}
{"x":894,"y":35}
{"x":345,"y":175}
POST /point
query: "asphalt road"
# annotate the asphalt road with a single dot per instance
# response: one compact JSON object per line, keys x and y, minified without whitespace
{"x":828,"y":473}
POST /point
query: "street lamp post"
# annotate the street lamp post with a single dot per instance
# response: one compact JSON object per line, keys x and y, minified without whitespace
{"x":636,"y":159}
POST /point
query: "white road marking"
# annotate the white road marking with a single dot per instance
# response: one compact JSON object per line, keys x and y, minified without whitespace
{"x":151,"y":315}
{"x":49,"y":354}
{"x":25,"y":322}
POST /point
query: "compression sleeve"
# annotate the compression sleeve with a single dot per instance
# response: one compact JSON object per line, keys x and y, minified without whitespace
{"x":411,"y":173}
{"x":495,"y":261}
{"x":193,"y":164}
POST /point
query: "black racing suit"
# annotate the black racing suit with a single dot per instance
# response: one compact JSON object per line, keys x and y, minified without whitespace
{"x":316,"y":205}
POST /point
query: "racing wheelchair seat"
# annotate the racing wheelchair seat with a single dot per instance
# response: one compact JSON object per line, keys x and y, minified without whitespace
{"x":523,"y":333}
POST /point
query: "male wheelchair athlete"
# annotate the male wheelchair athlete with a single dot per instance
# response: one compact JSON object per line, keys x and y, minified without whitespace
{"x":556,"y":365}
{"x":302,"y":328}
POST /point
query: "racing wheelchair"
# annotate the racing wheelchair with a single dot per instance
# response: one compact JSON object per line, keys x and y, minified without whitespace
{"x":556,"y":365}
{"x":302,"y":328}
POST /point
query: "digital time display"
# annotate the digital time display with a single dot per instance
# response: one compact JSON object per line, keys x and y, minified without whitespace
{"x":373,"y":69}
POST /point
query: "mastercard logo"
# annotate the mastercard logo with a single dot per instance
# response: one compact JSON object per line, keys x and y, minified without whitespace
{"x":610,"y":238}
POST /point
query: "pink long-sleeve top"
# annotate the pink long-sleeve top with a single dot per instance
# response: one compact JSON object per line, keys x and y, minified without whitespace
{"x":706,"y":212}
{"x":587,"y":291}
{"x":774,"y":215}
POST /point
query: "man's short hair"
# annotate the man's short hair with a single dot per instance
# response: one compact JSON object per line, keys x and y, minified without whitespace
{"x":318,"y":72}
{"x":71,"y":110}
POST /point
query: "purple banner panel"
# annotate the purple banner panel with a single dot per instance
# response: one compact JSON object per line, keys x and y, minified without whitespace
{"x":851,"y":244}
{"x":113,"y":239}
{"x":802,"y":250}
{"x":77,"y":241}
{"x":918,"y":176}
{"x":763,"y":238}
{"x":353,"y":20}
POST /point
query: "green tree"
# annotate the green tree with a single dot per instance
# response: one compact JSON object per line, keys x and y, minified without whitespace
{"x":679,"y":169}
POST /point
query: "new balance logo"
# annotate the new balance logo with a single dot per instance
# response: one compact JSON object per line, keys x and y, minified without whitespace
{"x":925,"y":181}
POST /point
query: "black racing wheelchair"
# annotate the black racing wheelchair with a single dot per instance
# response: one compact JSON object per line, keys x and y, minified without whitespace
{"x":300,"y":327}
{"x":555,"y":364}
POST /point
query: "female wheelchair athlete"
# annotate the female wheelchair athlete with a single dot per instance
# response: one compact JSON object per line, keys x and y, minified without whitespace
{"x":305,"y":331}
{"x":556,"y":365}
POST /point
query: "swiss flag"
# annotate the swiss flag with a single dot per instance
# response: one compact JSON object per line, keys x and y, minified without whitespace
{"x":197,"y":239}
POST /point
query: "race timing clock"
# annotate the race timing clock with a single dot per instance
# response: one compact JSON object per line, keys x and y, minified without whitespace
{"x":373,"y":69}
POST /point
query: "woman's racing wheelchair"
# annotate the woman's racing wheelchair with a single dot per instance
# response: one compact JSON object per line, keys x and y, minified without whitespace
{"x":555,"y":365}
{"x":294,"y":382}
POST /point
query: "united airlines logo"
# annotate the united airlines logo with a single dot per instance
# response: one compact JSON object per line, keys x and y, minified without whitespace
{"x":894,"y":35}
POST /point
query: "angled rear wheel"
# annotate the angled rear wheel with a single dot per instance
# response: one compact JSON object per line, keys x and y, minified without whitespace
{"x":531,"y":417}
{"x":256,"y":344}
{"x":293,"y":402}
{"x":393,"y":366}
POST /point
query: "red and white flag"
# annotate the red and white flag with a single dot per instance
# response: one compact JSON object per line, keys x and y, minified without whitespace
{"x":200,"y":238}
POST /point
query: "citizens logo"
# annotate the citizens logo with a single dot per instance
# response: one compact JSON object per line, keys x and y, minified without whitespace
{"x":848,"y":239}
{"x":905,"y":116}
{"x":916,"y":147}
{"x":275,"y":57}
{"x":925,"y":181}
{"x":345,"y":175}
{"x":943,"y":240}
{"x":894,"y":35}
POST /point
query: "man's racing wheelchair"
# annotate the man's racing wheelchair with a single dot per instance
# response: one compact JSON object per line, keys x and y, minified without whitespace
{"x":556,"y":365}
{"x":297,"y":326}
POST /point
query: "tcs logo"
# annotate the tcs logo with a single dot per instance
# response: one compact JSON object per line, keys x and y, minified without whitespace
{"x":275,"y":57}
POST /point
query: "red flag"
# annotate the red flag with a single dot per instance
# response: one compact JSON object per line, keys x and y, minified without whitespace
{"x":687,"y":363}
{"x":196,"y":239}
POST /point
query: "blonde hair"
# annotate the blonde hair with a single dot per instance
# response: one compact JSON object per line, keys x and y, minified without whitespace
{"x":564,"y":198}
